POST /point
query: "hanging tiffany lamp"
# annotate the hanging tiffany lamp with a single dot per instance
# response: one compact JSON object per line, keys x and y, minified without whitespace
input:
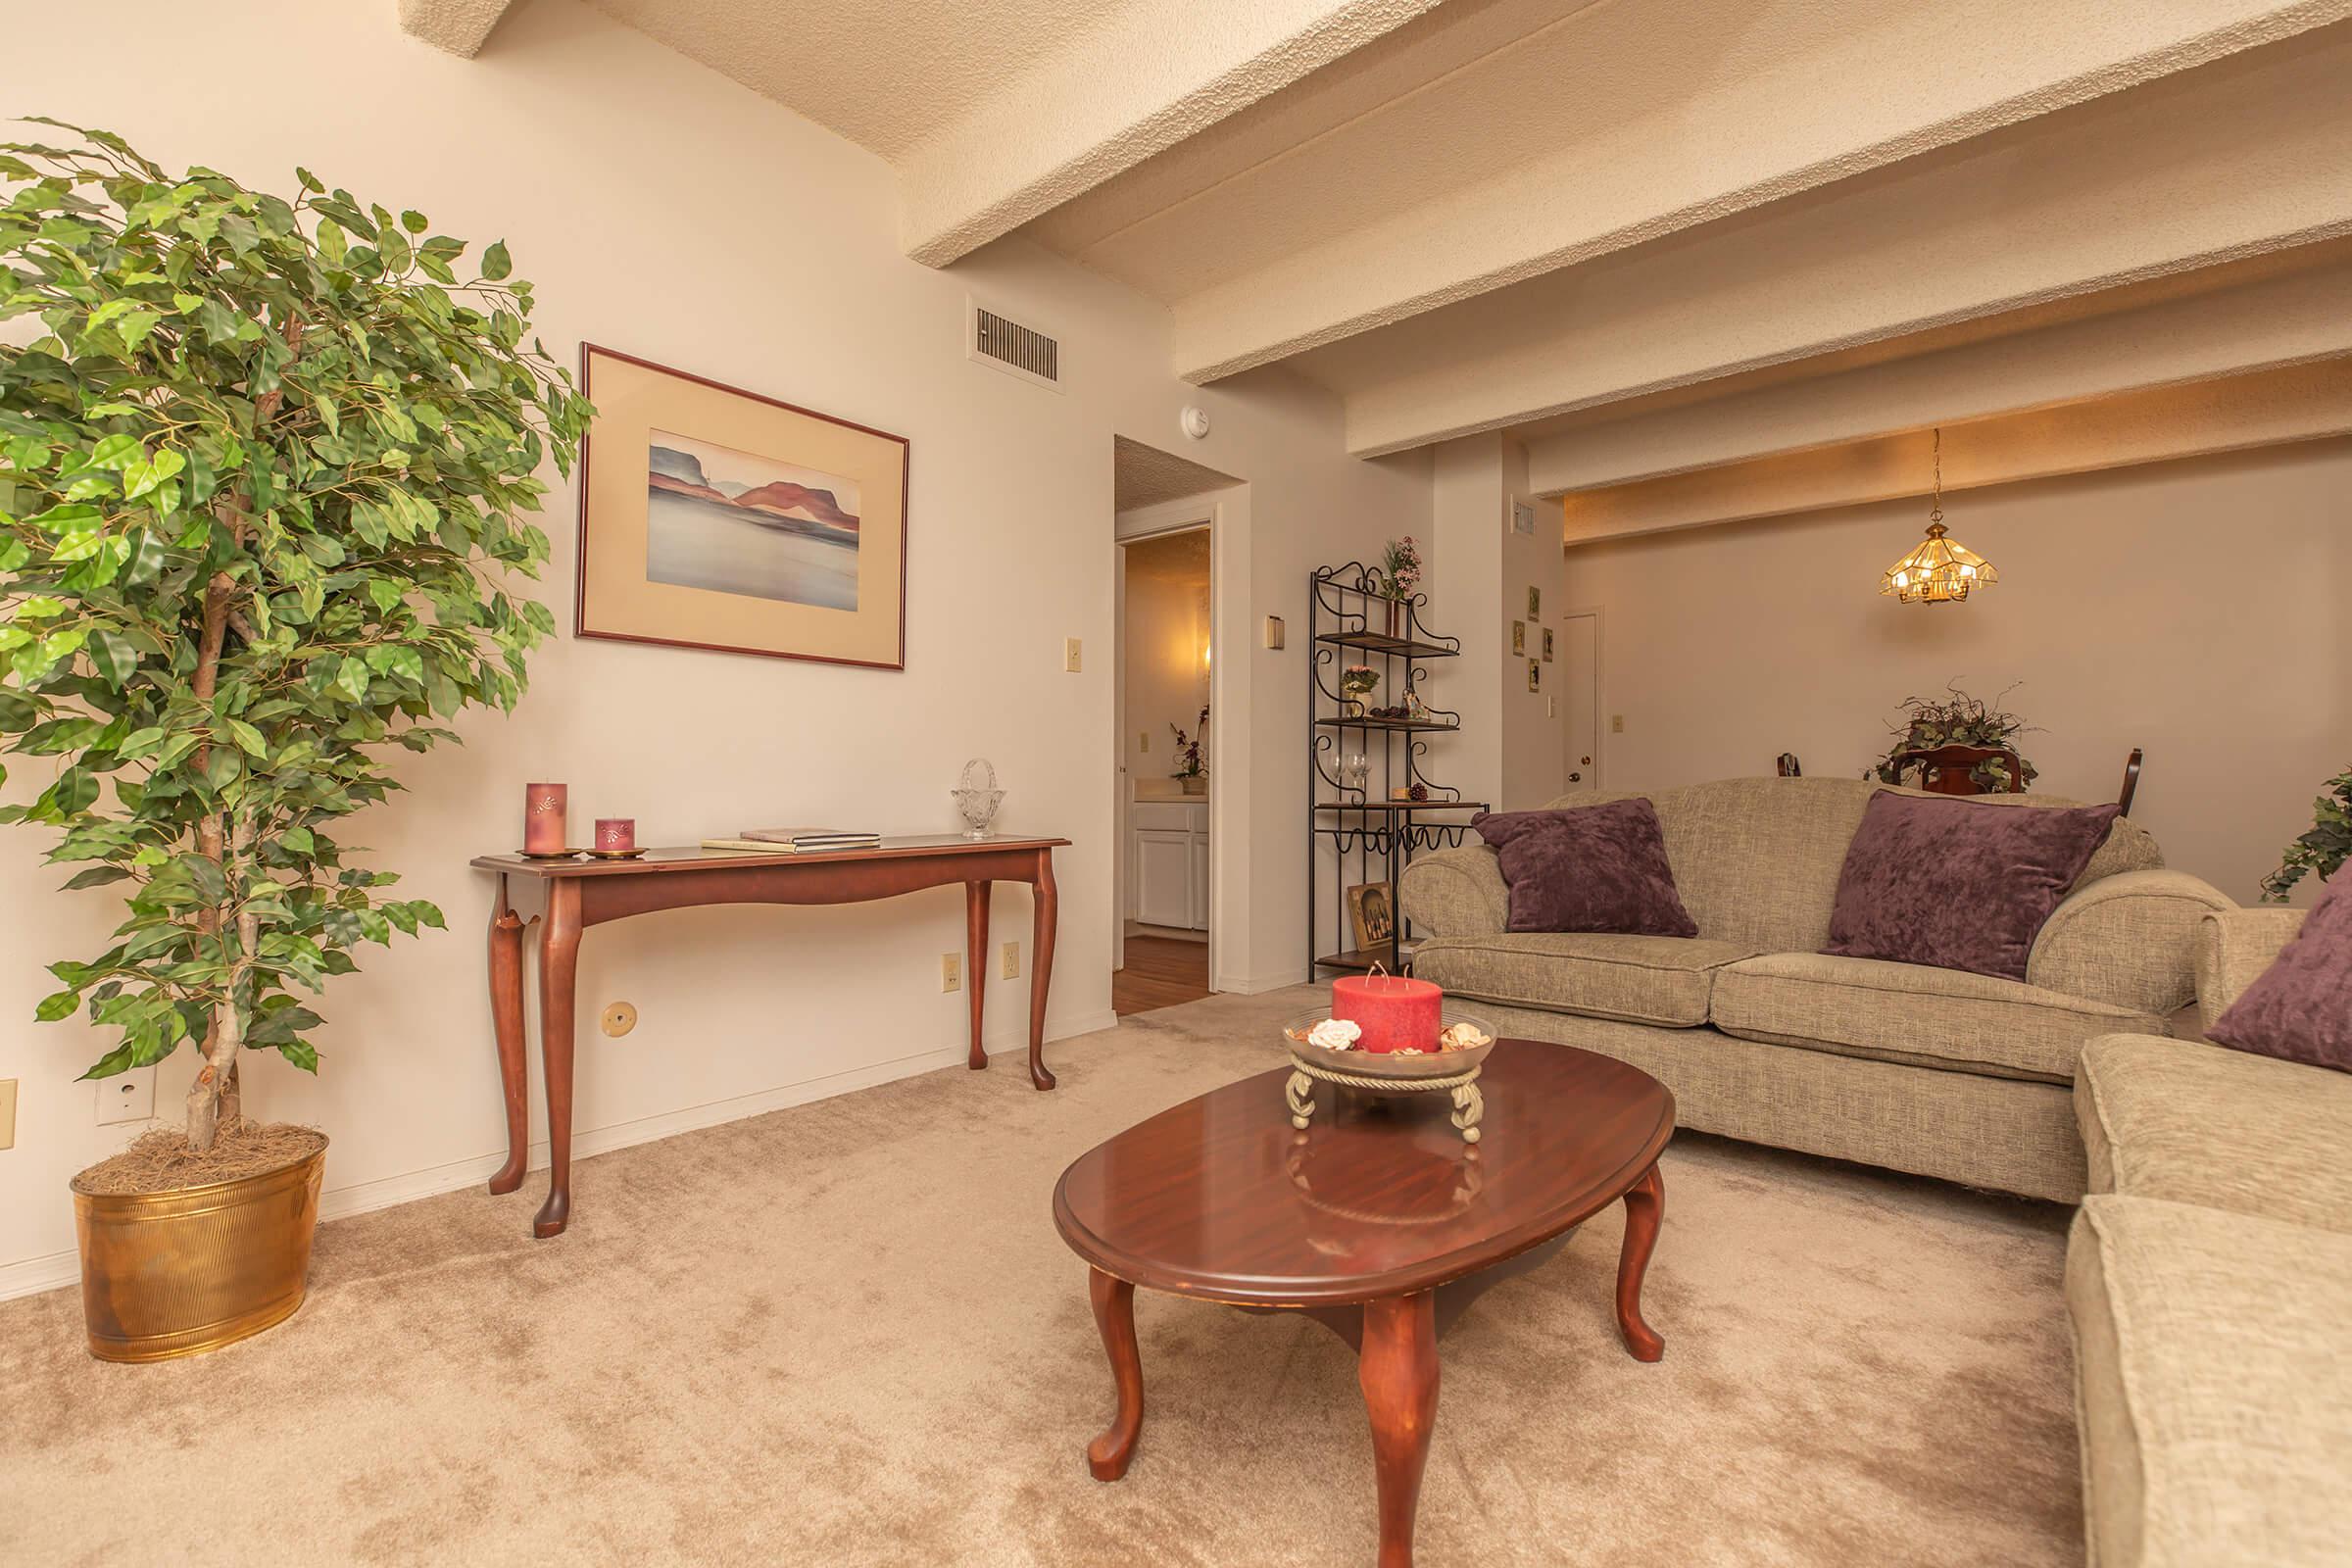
{"x":1941,"y":570}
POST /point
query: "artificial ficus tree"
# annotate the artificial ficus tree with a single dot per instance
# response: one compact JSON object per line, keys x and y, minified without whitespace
{"x":265,"y":467}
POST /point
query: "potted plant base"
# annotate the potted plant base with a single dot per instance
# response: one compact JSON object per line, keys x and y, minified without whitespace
{"x":185,"y":1267}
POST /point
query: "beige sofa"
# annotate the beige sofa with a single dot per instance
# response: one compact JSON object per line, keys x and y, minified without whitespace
{"x":1760,"y":1037}
{"x":2209,"y":1284}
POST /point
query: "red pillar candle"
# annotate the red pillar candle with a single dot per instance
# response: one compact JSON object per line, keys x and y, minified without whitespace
{"x":1394,"y":1011}
{"x":543,"y":818}
{"x":616,"y":834}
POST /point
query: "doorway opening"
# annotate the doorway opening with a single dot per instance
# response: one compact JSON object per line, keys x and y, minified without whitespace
{"x":1580,"y":701}
{"x":1165,"y":741}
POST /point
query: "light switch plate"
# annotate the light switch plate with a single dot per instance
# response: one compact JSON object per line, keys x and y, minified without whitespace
{"x":1072,"y":654}
{"x":8,"y":1113}
{"x":126,"y":1096}
{"x":1616,"y":723}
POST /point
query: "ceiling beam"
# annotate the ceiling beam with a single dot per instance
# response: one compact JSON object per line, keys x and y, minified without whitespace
{"x":1132,"y":89}
{"x":2243,"y":157}
{"x":2295,"y":318}
{"x":461,"y":27}
{"x":1778,"y":126}
{"x":2268,"y":407}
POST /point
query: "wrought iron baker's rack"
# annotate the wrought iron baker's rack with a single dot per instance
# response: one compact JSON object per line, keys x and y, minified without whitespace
{"x":1373,"y":827}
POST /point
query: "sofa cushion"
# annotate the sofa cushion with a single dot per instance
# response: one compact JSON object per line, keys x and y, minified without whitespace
{"x":1655,"y":980}
{"x":2195,"y":1123}
{"x":2300,"y":1008}
{"x":1956,"y":884}
{"x":1908,"y":1013}
{"x":1599,"y":868}
{"x":2213,"y":1386}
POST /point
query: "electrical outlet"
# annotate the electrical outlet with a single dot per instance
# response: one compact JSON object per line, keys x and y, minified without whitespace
{"x":1072,"y":651}
{"x":1616,"y":723}
{"x":951,"y":971}
{"x":8,"y":1113}
{"x":126,"y":1096}
{"x":1012,"y":961}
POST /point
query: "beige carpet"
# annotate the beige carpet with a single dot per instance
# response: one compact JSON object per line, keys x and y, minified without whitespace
{"x":847,"y":1333}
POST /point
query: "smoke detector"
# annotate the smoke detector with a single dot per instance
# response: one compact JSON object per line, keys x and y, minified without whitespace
{"x":1195,"y":421}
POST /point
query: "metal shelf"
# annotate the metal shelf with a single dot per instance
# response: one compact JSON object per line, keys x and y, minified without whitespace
{"x":1376,"y":642}
{"x":1419,"y":725}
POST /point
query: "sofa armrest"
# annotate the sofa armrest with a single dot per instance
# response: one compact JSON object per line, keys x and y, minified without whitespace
{"x":1456,"y":893}
{"x":2127,"y":939}
{"x":2233,"y":947}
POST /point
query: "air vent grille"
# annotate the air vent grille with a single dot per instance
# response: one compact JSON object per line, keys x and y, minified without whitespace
{"x":1023,"y":348}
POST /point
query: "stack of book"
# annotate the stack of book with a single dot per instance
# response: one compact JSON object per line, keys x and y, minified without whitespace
{"x":769,"y":840}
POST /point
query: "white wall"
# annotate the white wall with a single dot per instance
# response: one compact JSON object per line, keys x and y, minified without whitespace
{"x":668,"y":212}
{"x":2196,"y":609}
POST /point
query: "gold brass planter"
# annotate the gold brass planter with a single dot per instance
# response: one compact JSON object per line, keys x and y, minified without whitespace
{"x":167,"y":1274}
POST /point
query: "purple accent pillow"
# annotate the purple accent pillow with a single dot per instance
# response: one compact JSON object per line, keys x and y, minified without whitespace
{"x":2300,"y":1008}
{"x":1588,"y":868}
{"x":1958,"y":884}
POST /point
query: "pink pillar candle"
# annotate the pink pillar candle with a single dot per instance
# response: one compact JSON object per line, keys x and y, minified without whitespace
{"x":615,"y":833}
{"x":543,"y":807}
{"x":1394,"y":1011}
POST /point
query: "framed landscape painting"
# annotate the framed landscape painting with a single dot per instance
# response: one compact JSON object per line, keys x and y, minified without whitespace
{"x":714,"y":518}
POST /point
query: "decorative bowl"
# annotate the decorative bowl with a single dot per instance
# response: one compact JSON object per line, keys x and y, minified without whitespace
{"x":1403,"y":1068}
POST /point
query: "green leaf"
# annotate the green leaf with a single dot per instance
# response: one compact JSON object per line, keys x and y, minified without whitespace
{"x":495,"y":262}
{"x":114,"y":655}
{"x":300,"y":1054}
{"x":58,"y":1004}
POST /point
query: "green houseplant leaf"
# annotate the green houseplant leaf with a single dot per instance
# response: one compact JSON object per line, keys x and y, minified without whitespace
{"x":267,"y":471}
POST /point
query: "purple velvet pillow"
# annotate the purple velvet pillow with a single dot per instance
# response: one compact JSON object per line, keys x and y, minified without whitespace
{"x":1958,"y":884}
{"x":1588,"y":868}
{"x":2300,"y":1008}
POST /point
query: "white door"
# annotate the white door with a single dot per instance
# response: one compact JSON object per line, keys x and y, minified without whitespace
{"x":1580,"y":702}
{"x":1163,"y":878}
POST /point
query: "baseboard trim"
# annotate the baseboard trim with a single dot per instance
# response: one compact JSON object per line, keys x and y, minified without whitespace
{"x":33,"y":1275}
{"x":1253,"y":985}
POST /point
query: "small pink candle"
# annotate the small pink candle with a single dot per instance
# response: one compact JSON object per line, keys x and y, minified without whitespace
{"x":1393,"y":1010}
{"x":615,"y":833}
{"x":543,"y":807}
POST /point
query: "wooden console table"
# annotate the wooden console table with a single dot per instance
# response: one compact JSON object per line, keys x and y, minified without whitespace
{"x":581,"y":893}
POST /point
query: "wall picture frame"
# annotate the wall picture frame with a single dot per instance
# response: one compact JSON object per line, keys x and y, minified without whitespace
{"x":720,"y":518}
{"x":1534,"y":674}
{"x":1371,"y":917}
{"x":1518,"y":636}
{"x":1534,"y":602}
{"x":1547,"y":645}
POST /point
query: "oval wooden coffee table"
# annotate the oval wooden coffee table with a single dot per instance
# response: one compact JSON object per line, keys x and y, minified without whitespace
{"x":1378,"y":1220}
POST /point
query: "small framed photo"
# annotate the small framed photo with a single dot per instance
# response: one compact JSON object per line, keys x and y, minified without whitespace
{"x":1534,"y":674}
{"x":1518,"y":636}
{"x":1534,"y":602}
{"x":1371,"y":918}
{"x":1547,"y":645}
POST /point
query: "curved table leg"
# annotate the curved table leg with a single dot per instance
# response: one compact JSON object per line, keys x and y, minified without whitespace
{"x":975,"y":959}
{"x":1645,"y":1208}
{"x":1398,"y":1370}
{"x":506,"y":1021}
{"x":1040,"y":974}
{"x":559,"y":969}
{"x":1114,"y":1314}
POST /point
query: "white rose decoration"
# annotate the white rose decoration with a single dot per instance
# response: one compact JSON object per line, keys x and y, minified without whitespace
{"x":1335,"y":1034}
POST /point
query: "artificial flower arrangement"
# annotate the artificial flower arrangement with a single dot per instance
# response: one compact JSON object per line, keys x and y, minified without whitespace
{"x":1400,"y":570}
{"x":1188,"y":763}
{"x":1359,"y":680}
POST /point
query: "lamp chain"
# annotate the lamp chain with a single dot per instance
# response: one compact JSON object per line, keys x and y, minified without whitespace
{"x":1936,"y":515}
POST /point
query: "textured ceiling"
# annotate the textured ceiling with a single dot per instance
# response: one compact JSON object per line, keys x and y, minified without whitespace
{"x":886,"y":73}
{"x":1145,"y":476}
{"x":1541,"y":217}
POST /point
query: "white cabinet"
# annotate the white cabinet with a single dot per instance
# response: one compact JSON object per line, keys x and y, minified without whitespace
{"x":1167,"y":873}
